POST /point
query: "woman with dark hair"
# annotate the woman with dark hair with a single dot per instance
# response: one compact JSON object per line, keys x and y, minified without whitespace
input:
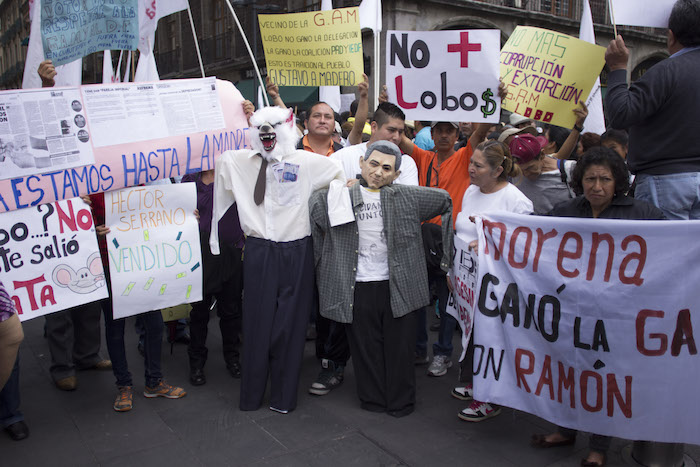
{"x":489,"y":170}
{"x":600,"y":180}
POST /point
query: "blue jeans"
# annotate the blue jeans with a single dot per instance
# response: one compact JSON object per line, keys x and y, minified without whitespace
{"x":447,"y":323}
{"x":677,"y":195}
{"x":152,"y":323}
{"x":9,"y":399}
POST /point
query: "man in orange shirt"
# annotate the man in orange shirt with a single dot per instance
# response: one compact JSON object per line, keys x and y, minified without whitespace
{"x":447,"y":169}
{"x":320,"y":124}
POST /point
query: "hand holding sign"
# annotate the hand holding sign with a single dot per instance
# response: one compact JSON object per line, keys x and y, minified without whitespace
{"x":617,"y":54}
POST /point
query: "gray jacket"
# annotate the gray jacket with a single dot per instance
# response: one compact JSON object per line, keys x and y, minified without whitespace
{"x":404,"y":208}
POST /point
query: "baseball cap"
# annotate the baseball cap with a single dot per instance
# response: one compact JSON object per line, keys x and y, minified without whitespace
{"x":516,"y":131}
{"x":525,"y":148}
{"x":516,"y":119}
{"x":434,"y":124}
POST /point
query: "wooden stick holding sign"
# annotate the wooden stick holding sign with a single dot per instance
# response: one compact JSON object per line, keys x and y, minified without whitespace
{"x":612,"y":18}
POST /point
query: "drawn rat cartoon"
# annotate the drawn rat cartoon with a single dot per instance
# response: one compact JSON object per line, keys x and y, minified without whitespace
{"x":84,"y":280}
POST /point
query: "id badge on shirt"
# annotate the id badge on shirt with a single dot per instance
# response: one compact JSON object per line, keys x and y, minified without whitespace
{"x":288,"y":188}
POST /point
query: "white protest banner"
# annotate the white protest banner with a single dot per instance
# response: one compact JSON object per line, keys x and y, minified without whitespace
{"x":49,"y":258}
{"x":72,"y":29}
{"x":589,"y":323}
{"x":136,"y":132}
{"x":463,"y":275}
{"x":445,"y":75}
{"x":155,"y":260}
{"x":648,"y":13}
{"x":42,"y":131}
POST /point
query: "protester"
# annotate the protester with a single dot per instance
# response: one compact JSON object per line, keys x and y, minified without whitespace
{"x":74,"y":334}
{"x":278,"y":264}
{"x":223,"y":283}
{"x":600,"y":180}
{"x":423,"y":138}
{"x":617,"y":140}
{"x":588,"y":141}
{"x":11,"y":335}
{"x":658,"y":110}
{"x":489,"y":170}
{"x":520,"y":122}
{"x":152,"y":321}
{"x":358,"y":287}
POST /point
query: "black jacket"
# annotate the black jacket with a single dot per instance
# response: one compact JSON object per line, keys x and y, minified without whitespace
{"x":621,"y":207}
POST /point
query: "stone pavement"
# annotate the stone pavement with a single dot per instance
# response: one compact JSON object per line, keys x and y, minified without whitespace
{"x":206,"y":428}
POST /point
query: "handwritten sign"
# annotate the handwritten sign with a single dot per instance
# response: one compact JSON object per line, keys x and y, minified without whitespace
{"x":464,"y":274}
{"x":153,"y":245}
{"x":648,"y":13}
{"x":72,"y":29}
{"x":548,"y":73}
{"x":139,"y":133}
{"x":320,"y":48}
{"x":49,"y":258}
{"x":444,"y":75}
{"x":586,"y":321}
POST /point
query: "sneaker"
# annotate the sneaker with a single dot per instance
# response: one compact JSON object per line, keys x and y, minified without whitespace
{"x":282,"y":411}
{"x":439,"y":365}
{"x":478,"y":411}
{"x":125,"y":399}
{"x":163,"y":389}
{"x":463,"y":393}
{"x":331,"y":377}
{"x":69,"y":383}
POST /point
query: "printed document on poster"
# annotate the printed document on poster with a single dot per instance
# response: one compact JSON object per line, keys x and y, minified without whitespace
{"x":42,"y":131}
{"x":130,"y":112}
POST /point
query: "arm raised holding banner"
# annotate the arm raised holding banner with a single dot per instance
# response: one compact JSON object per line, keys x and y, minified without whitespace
{"x":355,"y":136}
{"x":571,"y":140}
{"x":274,"y":91}
{"x":47,"y":73}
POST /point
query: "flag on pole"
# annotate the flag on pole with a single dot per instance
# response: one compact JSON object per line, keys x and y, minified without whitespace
{"x":595,"y":122}
{"x":329,"y":94}
{"x":70,"y":74}
{"x":371,"y":15}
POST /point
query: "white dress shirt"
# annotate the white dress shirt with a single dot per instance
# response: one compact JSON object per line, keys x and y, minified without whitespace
{"x":283,"y":216}
{"x":349,"y":157}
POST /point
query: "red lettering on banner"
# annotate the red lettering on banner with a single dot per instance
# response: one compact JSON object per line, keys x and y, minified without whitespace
{"x":567,"y":381}
{"x":546,"y":377}
{"x":399,"y":95}
{"x":597,"y":391}
{"x":596,"y":241}
{"x":641,"y":258}
{"x":562,"y":254}
{"x":541,"y":238}
{"x":683,"y":334}
{"x":46,"y":294}
{"x":501,"y":244}
{"x":520,"y":372}
{"x":640,"y":324}
{"x":66,"y":219}
{"x":614,"y":395}
{"x":526,"y":249}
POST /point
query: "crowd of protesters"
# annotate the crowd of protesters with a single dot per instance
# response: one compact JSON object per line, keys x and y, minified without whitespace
{"x":645,"y":166}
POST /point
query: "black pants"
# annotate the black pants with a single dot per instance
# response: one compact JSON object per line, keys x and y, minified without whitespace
{"x":228,"y":307}
{"x":278,"y":279}
{"x":383,"y":351}
{"x":331,"y":341}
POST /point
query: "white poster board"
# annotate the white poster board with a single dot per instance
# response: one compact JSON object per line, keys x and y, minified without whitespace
{"x":49,"y":258}
{"x":589,"y":322}
{"x":463,"y":277}
{"x":445,"y":75}
{"x":648,"y":13}
{"x":155,"y":258}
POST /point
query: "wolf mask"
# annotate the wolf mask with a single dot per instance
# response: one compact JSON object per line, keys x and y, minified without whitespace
{"x":272,"y":132}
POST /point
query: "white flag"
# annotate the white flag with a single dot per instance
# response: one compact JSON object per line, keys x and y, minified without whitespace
{"x":70,"y":74}
{"x":648,"y":13}
{"x":150,"y":12}
{"x":595,"y":122}
{"x":330,"y":94}
{"x":371,"y":15}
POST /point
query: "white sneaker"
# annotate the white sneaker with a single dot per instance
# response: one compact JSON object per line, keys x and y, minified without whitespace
{"x":479,"y":411}
{"x":463,"y":393}
{"x":439,"y":365}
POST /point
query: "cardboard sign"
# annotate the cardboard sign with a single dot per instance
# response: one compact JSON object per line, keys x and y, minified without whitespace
{"x":648,"y":13}
{"x":72,"y":29}
{"x":464,"y":274}
{"x":548,"y":73}
{"x":155,"y":259}
{"x":444,"y":75}
{"x":137,"y":133}
{"x":49,"y":258}
{"x":584,"y":322}
{"x":318,"y":48}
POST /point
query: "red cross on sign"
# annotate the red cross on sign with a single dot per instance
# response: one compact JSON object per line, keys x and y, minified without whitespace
{"x":464,"y":47}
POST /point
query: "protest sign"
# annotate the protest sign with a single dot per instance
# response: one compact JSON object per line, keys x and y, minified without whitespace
{"x":586,"y":322}
{"x":463,"y":275}
{"x":318,"y":48}
{"x":547,"y":73}
{"x":49,"y":258}
{"x":72,"y":29}
{"x":444,"y":75}
{"x":648,"y":13}
{"x":41,"y":131}
{"x":155,"y":259}
{"x":137,"y":133}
